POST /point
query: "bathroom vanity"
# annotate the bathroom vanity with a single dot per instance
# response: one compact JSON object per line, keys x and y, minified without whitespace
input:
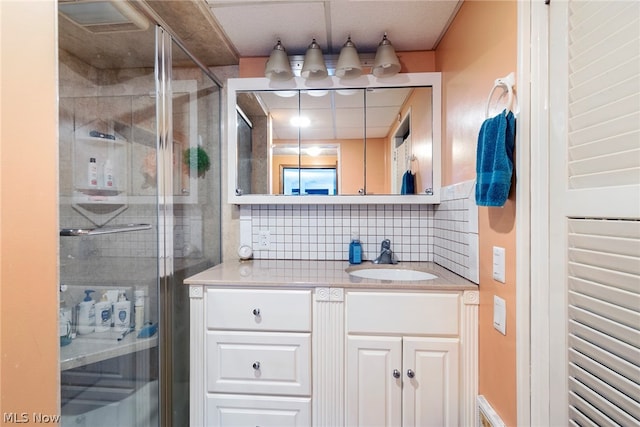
{"x":305,"y":343}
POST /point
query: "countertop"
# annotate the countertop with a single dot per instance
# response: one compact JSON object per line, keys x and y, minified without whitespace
{"x":302,"y":273}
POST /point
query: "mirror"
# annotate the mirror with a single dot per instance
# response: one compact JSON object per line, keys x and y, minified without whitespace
{"x":377,"y":138}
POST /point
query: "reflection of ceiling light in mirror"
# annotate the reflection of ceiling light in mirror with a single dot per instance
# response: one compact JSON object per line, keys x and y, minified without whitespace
{"x":286,"y":93}
{"x":300,"y":121}
{"x":317,"y":93}
{"x":314,"y":151}
{"x":347,"y":92}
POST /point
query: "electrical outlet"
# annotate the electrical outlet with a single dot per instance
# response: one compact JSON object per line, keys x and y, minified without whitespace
{"x":264,"y":240}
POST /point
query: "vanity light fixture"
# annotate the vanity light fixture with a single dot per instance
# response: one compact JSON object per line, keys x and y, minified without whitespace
{"x":349,"y":65}
{"x":278,"y":67}
{"x":386,"y":63}
{"x":314,"y":67}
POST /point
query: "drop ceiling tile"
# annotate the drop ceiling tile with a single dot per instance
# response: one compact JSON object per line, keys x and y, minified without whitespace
{"x":255,"y":27}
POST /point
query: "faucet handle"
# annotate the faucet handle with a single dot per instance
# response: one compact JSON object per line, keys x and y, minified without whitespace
{"x":386,"y":244}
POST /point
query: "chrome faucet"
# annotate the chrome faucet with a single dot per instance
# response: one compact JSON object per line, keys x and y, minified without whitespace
{"x":386,"y":254}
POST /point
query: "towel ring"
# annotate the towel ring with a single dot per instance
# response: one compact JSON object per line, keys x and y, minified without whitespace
{"x":507,"y":84}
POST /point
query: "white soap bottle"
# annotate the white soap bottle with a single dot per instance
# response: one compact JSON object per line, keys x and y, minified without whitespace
{"x":108,"y":174}
{"x":87,"y":314}
{"x":122,"y":313}
{"x":138,"y":306}
{"x":103,"y":314}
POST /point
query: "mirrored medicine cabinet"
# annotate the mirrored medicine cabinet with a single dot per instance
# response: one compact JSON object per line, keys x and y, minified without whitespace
{"x":361,"y":141}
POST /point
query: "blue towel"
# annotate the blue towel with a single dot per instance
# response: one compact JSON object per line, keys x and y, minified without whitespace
{"x":494,"y":159}
{"x":408,"y":183}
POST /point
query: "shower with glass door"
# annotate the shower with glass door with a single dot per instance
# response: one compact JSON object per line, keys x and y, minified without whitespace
{"x":139,"y":161}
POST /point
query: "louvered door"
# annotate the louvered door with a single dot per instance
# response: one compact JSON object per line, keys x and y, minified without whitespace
{"x":594,"y":217}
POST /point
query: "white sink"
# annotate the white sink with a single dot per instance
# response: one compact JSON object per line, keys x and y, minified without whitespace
{"x":396,"y":274}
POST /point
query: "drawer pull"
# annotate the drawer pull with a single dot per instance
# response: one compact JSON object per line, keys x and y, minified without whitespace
{"x":410,"y":373}
{"x":256,"y":365}
{"x":256,"y":312}
{"x":396,"y":373}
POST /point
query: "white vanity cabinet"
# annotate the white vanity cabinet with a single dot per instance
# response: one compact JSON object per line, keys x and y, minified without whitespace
{"x":343,"y":356}
{"x":255,"y":359}
{"x":402,"y":358}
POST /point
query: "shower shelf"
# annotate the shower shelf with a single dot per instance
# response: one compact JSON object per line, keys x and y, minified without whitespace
{"x":110,"y":229}
{"x":101,"y":346}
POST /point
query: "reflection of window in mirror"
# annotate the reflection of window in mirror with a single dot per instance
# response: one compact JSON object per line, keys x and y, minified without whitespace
{"x":316,"y":180}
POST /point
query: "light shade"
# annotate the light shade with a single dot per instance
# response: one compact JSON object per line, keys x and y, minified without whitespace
{"x":386,"y":63}
{"x":313,"y":67}
{"x":278,"y":66}
{"x":349,"y":66}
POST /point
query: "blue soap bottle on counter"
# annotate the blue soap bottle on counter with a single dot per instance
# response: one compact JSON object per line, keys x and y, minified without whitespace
{"x":355,"y":249}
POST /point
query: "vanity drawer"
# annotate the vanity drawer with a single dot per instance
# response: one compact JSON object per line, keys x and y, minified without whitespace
{"x":403,"y":313}
{"x":260,"y":363}
{"x":259,"y":309}
{"x":264,"y":411}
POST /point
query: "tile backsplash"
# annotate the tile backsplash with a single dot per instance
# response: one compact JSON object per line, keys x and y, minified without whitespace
{"x":323,"y":232}
{"x":446,"y":233}
{"x":455,"y":231}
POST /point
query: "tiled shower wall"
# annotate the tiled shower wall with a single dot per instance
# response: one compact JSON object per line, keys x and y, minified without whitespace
{"x":446,"y":233}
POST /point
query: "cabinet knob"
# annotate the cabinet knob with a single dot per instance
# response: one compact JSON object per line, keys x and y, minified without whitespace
{"x":410,"y":373}
{"x":256,"y":312}
{"x":396,"y":373}
{"x":256,"y":365}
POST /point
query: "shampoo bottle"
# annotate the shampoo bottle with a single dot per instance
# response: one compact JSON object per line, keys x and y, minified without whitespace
{"x":103,"y":314}
{"x":87,"y":314}
{"x":93,"y":172}
{"x":108,"y":174}
{"x":138,"y":304}
{"x":355,"y":249}
{"x":122,"y":313}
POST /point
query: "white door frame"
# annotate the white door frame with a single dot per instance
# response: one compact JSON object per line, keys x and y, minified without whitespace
{"x":532,"y":209}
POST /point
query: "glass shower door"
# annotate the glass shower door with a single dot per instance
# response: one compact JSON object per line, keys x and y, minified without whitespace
{"x":109,"y":239}
{"x":139,"y":211}
{"x":190,"y":209}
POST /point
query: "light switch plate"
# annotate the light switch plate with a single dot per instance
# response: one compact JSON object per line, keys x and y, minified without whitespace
{"x":498,"y":264}
{"x":500,"y":314}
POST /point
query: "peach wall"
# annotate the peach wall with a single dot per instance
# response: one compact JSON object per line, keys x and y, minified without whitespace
{"x":29,"y":343}
{"x":479,"y":47}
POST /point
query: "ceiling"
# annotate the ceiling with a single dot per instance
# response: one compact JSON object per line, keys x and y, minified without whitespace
{"x":219,"y":32}
{"x":253,"y":27}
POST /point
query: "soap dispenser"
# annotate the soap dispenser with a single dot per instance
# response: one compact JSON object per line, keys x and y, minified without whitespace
{"x":103,"y":314}
{"x":87,"y":314}
{"x":122,"y":313}
{"x":355,"y":249}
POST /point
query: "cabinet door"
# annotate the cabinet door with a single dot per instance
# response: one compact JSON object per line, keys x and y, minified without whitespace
{"x":373,"y":392}
{"x":430,"y":390}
